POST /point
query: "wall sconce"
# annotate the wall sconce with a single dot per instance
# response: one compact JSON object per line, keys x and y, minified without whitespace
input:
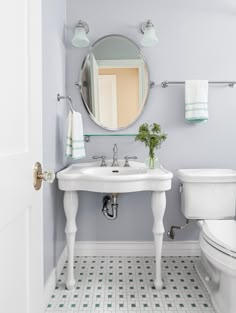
{"x":80,"y":39}
{"x":149,"y":34}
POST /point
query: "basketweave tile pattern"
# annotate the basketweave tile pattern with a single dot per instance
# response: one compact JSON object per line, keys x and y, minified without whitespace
{"x":125,"y":284}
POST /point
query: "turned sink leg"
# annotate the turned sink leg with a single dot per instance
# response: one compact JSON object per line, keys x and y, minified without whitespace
{"x":71,"y":202}
{"x":158,"y":209}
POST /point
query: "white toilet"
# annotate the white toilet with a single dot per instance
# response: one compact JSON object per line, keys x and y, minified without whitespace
{"x":209,"y":196}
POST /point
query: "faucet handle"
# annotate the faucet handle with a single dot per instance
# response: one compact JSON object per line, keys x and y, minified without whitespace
{"x":127,"y":158}
{"x":115,"y":149}
{"x":101,"y":157}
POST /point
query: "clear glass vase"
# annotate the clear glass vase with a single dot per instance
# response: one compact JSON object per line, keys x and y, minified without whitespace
{"x":152,"y":162}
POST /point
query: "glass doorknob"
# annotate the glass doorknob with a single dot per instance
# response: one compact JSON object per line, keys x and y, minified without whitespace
{"x":39,"y":176}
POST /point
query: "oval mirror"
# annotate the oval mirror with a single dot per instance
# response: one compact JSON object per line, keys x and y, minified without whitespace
{"x":114,"y":82}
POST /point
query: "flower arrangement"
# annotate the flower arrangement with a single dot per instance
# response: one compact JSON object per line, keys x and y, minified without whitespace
{"x":152,"y":136}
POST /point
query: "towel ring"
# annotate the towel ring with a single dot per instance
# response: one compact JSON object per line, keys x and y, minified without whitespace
{"x":59,"y":98}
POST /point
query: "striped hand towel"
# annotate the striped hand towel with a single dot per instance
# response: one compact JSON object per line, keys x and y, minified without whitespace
{"x":196,"y":101}
{"x":75,"y":136}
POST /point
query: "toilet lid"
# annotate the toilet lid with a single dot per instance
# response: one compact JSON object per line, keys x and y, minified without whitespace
{"x":222,"y":234}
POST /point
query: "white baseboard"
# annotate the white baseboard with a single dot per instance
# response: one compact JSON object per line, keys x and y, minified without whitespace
{"x":135,"y":248}
{"x":53,"y":277}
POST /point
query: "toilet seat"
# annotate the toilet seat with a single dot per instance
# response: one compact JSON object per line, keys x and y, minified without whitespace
{"x":221,"y":234}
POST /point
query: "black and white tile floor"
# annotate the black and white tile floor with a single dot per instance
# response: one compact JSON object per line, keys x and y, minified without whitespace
{"x":125,"y":284}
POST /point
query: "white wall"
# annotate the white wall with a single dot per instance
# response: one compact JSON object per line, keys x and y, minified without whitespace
{"x":196,"y":42}
{"x":54,"y":115}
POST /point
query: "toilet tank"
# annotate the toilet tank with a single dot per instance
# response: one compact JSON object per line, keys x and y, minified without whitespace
{"x":208,"y":193}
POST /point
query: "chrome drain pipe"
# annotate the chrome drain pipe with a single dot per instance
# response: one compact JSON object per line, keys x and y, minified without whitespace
{"x":111,"y":214}
{"x":171,"y":233}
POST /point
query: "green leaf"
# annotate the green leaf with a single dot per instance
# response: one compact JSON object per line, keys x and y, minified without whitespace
{"x":151,"y":136}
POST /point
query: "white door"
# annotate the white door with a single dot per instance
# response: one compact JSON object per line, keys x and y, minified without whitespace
{"x":107,"y":97}
{"x":21,"y":259}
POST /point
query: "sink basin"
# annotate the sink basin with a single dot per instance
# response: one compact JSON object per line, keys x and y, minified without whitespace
{"x":92,"y":177}
{"x":113,"y":171}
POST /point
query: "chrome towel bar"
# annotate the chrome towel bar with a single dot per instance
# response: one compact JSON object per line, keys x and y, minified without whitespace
{"x":166,"y":83}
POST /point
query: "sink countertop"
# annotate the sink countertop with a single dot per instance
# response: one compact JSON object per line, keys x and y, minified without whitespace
{"x":77,"y":171}
{"x":78,"y":177}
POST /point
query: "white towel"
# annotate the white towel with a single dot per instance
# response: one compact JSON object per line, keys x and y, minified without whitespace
{"x":75,"y":136}
{"x":196,"y":101}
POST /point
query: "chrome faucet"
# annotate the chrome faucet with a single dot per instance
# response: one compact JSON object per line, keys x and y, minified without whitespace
{"x":115,"y":156}
{"x":102,"y":158}
{"x":127,"y":158}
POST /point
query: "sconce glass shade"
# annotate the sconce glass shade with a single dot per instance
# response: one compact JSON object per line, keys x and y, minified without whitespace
{"x":149,"y":35}
{"x":80,"y":39}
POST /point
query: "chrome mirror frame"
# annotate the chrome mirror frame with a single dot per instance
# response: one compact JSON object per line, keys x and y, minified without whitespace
{"x":81,"y":87}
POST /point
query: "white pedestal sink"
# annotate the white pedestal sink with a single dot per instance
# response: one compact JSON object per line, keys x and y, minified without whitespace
{"x":92,"y":177}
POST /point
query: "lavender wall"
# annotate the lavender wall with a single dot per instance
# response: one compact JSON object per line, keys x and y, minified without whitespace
{"x":196,"y":42}
{"x":54,"y":115}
